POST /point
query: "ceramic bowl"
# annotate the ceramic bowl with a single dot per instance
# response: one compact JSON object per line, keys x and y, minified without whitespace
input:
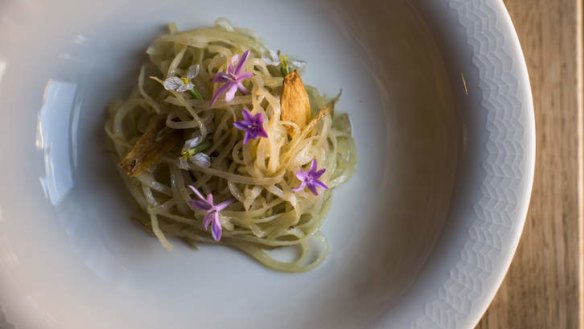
{"x":421,"y":237}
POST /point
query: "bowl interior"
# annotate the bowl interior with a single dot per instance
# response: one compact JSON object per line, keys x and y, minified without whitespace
{"x":69,"y":255}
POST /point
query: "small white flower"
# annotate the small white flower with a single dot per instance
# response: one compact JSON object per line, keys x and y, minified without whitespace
{"x":191,"y":153}
{"x":273,"y":58}
{"x":182,"y":84}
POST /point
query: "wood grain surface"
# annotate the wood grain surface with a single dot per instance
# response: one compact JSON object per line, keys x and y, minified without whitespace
{"x":543,"y":288}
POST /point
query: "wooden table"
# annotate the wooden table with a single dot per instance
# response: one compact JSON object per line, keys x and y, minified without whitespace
{"x":543,"y":288}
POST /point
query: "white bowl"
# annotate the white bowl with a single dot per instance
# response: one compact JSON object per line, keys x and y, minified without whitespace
{"x":421,"y":237}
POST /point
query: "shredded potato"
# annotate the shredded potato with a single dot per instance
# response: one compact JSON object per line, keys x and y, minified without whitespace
{"x":259,"y":176}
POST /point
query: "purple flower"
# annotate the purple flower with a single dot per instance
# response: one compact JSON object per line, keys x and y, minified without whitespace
{"x":212,"y":217}
{"x":310,"y":179}
{"x":253,"y":125}
{"x":232,"y":79}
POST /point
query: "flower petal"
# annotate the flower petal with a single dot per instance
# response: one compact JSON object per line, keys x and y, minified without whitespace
{"x":223,"y":205}
{"x":242,"y":88}
{"x":201,"y":205}
{"x":184,"y":87}
{"x":219,"y":92}
{"x":244,"y":75}
{"x":320,"y":184}
{"x":258,"y":119}
{"x":299,"y":187}
{"x":193,"y":142}
{"x":312,"y":189}
{"x":207,"y":220}
{"x":298,"y":64}
{"x":262,"y":132}
{"x":272,"y":58}
{"x":230,"y":71}
{"x":246,"y":137}
{"x":201,"y":160}
{"x":319,"y":173}
{"x":275,"y":55}
{"x":210,"y":199}
{"x":240,"y":125}
{"x":301,"y":175}
{"x":230,"y":94}
{"x":234,"y":59}
{"x":216,"y":228}
{"x":247,"y":115}
{"x":241,"y":62}
{"x":221,"y":77}
{"x":193,"y":71}
{"x":269,"y":61}
{"x":172,"y":83}
{"x":313,"y":165}
{"x":197,"y":193}
{"x":183,"y":164}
